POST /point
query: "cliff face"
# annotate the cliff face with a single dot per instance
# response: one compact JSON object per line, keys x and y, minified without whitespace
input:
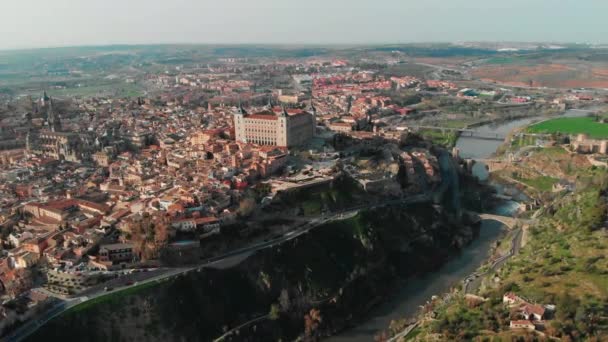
{"x":309,"y":287}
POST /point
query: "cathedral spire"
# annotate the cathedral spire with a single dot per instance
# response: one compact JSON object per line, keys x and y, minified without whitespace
{"x":53,"y":119}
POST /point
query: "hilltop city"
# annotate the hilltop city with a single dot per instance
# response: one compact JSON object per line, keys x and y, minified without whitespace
{"x":117,"y":182}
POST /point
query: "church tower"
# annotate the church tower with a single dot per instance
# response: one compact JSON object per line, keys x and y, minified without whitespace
{"x":44,"y":100}
{"x":283,"y":128}
{"x":53,"y":119}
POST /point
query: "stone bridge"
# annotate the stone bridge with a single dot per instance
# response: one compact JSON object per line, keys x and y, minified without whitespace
{"x":464,"y":132}
{"x":510,"y":222}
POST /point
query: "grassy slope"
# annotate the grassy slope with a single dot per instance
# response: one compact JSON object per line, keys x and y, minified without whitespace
{"x":447,"y":139}
{"x":542,"y":183}
{"x":564,"y":263}
{"x":565,"y":253}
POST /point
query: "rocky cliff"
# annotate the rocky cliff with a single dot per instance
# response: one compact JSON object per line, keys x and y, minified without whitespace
{"x":307,"y":287}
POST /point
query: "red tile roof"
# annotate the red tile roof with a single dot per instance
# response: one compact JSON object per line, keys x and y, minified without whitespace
{"x":262,"y":117}
{"x":205,"y":220}
{"x":534,"y":309}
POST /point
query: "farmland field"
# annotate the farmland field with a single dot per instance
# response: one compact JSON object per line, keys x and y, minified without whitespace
{"x":587,"y":125}
{"x":524,"y":73}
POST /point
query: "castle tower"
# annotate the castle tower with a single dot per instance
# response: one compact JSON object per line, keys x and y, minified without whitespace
{"x":283,"y":128}
{"x":239,"y":123}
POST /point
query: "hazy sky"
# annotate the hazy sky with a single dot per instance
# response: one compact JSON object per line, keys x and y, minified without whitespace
{"x":44,"y":23}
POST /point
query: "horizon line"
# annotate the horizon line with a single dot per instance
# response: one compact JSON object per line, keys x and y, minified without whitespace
{"x":294,"y":44}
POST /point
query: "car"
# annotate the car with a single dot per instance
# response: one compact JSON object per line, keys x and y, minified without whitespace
{"x":129,"y":283}
{"x":107,"y":288}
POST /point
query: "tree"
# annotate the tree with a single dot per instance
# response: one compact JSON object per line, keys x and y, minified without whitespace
{"x":567,"y":305}
{"x":150,"y":234}
{"x":275,"y":312}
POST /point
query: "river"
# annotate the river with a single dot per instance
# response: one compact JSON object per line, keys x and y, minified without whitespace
{"x":415,"y":292}
{"x":482,"y":148}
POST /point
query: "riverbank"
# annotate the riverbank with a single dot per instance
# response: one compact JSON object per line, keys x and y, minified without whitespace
{"x":560,"y":268}
{"x":483,"y":149}
{"x":568,"y":220}
{"x":415,"y":292}
{"x":412,"y":298}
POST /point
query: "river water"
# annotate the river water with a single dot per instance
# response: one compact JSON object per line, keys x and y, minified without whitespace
{"x":415,"y":292}
{"x":482,"y":148}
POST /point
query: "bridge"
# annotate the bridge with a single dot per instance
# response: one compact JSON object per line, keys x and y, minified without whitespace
{"x":510,"y":222}
{"x":464,"y":132}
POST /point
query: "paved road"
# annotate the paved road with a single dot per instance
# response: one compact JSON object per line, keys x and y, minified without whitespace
{"x":234,"y":330}
{"x":472,"y":282}
{"x":162,"y":274}
{"x":404,"y":333}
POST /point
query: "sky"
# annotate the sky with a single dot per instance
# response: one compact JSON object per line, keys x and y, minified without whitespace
{"x":51,"y":23}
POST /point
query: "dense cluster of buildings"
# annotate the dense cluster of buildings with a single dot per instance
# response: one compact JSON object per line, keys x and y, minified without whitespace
{"x":99,"y":184}
{"x":95,"y":175}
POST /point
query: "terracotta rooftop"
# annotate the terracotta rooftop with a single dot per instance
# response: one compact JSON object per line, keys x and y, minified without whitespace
{"x":534,"y":309}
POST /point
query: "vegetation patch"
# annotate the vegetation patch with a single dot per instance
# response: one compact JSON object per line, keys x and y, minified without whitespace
{"x":111,"y":298}
{"x":503,"y":60}
{"x":447,"y":139}
{"x":542,"y":183}
{"x":586,"y":125}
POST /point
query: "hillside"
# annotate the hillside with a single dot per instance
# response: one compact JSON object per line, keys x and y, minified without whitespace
{"x":562,"y":266}
{"x":308,"y":287}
